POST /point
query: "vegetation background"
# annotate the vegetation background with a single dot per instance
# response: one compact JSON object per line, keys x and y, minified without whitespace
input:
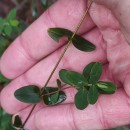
{"x":11,"y":25}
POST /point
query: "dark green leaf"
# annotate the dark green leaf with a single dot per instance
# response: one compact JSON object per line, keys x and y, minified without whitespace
{"x":93,"y":72}
{"x":44,"y":3}
{"x":55,"y":98}
{"x":57,"y":33}
{"x":34,"y":11}
{"x":14,"y":22}
{"x":72,"y":78}
{"x":81,"y":101}
{"x":17,"y":122}
{"x":1,"y":28}
{"x":78,"y":41}
{"x":2,"y":21}
{"x":28,"y":94}
{"x":106,"y":87}
{"x":82,"y":44}
{"x":8,"y":30}
{"x":12,"y":14}
{"x":59,"y":84}
{"x":5,"y":120}
{"x":93,"y":94}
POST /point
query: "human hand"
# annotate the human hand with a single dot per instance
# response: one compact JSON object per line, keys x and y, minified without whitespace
{"x":21,"y":63}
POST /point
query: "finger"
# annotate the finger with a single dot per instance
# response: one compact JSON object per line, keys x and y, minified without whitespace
{"x":41,"y":71}
{"x":103,"y":18}
{"x":35,"y":44}
{"x":109,"y":4}
{"x":24,"y":114}
{"x":103,"y":115}
{"x":121,"y":11}
{"x":119,"y":63}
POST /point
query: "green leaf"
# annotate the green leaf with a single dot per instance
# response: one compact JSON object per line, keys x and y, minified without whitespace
{"x":34,"y":11}
{"x":5,"y":120}
{"x":4,"y":43}
{"x":12,"y":14}
{"x":2,"y":21}
{"x":44,"y":3}
{"x":81,"y":101}
{"x":1,"y":28}
{"x":72,"y":78}
{"x":93,"y":72}
{"x":57,"y":33}
{"x":55,"y":98}
{"x":28,"y":94}
{"x":93,"y":94}
{"x":82,"y":44}
{"x":78,"y":41}
{"x":59,"y":84}
{"x":17,"y":122}
{"x":14,"y":22}
{"x":8,"y":30}
{"x":106,"y":87}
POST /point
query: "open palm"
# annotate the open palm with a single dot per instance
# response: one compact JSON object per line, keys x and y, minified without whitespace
{"x":32,"y":56}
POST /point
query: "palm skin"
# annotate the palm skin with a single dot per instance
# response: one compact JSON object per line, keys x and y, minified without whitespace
{"x":36,"y":55}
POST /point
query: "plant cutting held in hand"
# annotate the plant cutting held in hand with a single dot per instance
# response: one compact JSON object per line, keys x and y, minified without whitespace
{"x":86,"y":83}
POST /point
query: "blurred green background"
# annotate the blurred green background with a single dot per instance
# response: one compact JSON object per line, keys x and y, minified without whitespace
{"x":15,"y":17}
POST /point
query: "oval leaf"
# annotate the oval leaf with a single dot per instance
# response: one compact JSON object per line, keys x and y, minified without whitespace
{"x":55,"y":98}
{"x":106,"y":87}
{"x":81,"y":101}
{"x":17,"y":122}
{"x":93,"y":72}
{"x":14,"y":22}
{"x":8,"y":30}
{"x":28,"y":94}
{"x":12,"y":14}
{"x":2,"y":21}
{"x":78,"y":41}
{"x":92,"y":95}
{"x":57,"y":33}
{"x":72,"y":78}
{"x":82,"y":44}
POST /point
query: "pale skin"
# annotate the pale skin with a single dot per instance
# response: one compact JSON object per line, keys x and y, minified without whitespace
{"x":32,"y":56}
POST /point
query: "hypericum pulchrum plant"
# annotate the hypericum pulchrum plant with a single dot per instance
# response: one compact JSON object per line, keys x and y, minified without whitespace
{"x":87,"y":83}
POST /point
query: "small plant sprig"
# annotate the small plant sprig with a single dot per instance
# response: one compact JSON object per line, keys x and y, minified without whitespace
{"x":10,"y":28}
{"x":87,"y":83}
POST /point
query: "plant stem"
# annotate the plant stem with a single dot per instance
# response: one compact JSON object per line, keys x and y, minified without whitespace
{"x":66,"y":47}
{"x":59,"y":60}
{"x":28,"y":116}
{"x":56,"y":91}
